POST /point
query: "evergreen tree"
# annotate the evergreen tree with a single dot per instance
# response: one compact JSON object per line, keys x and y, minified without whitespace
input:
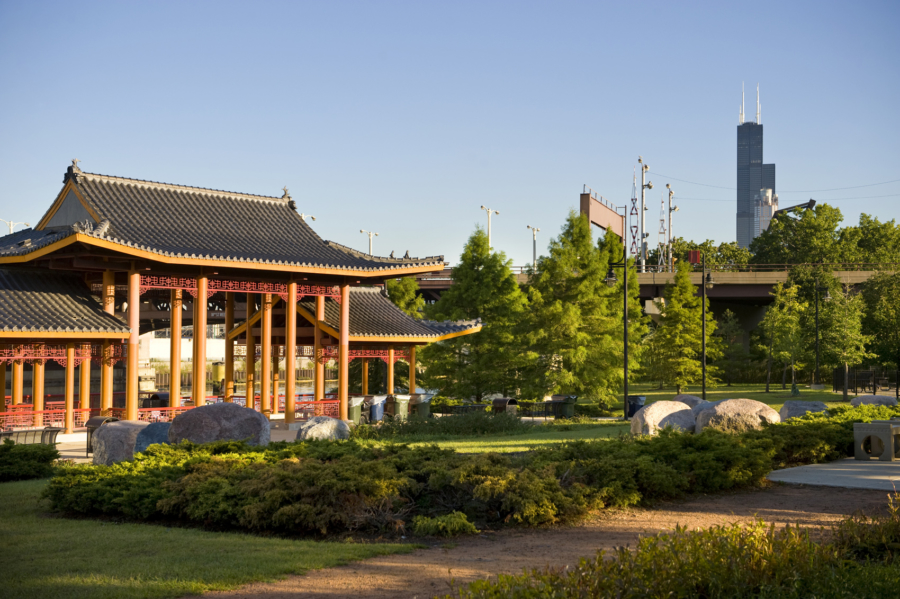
{"x":882,"y":320}
{"x":735,"y":356}
{"x":844,"y":339}
{"x":405,"y":295}
{"x":575,"y":341}
{"x":484,"y":287}
{"x":679,"y":334}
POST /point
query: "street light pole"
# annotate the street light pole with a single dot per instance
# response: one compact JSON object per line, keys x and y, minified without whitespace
{"x":489,"y":211}
{"x":371,"y":235}
{"x":703,"y":318}
{"x":611,"y":281}
{"x":12,"y":224}
{"x":644,"y":234}
{"x":672,"y":210}
{"x":534,"y":232}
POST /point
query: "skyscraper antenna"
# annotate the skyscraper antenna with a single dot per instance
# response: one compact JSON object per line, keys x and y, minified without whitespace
{"x":757,"y":104}
{"x":741,"y":118}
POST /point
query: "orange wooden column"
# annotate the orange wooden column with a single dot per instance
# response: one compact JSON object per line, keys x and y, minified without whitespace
{"x":70,"y":388}
{"x":318,"y":353}
{"x":134,"y":322}
{"x":265,"y":376}
{"x":2,"y":384}
{"x":37,"y":392}
{"x":276,"y":379}
{"x":344,"y":352}
{"x":365,"y":376}
{"x":228,"y":391}
{"x":251,"y":355}
{"x":18,"y":381}
{"x":176,"y":305}
{"x":198,"y":389}
{"x":84,"y":386}
{"x":290,"y":352}
{"x":106,"y":365}
{"x":390,"y":370}
{"x":412,"y":369}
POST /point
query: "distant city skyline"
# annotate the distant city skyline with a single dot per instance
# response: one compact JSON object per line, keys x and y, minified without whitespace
{"x":752,"y":175}
{"x":405,"y":117}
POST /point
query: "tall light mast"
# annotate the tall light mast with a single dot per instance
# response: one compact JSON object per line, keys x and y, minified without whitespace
{"x":644,"y":234}
{"x":671,"y":234}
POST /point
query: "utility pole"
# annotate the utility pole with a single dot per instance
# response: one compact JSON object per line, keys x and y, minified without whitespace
{"x":671,"y":234}
{"x":489,"y":211}
{"x":534,"y":232}
{"x":371,"y":235}
{"x":644,"y":234}
{"x":12,"y":224}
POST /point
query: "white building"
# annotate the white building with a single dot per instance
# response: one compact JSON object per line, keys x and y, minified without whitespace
{"x":765,"y":203}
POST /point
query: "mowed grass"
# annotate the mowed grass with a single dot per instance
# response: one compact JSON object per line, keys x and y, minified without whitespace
{"x":44,"y":556}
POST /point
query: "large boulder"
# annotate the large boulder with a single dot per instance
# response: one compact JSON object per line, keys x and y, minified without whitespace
{"x":873,"y":400}
{"x":220,"y":422}
{"x":736,"y":415}
{"x":704,"y":405}
{"x":153,"y":433}
{"x":793,"y":408}
{"x":114,"y":441}
{"x":649,"y":419}
{"x":323,"y":427}
{"x":690,"y":400}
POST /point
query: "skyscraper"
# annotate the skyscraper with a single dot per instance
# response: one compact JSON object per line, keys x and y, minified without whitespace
{"x":752,"y":174}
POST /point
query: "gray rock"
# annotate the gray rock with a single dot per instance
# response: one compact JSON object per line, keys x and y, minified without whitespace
{"x":220,"y":422}
{"x":873,"y":400}
{"x":114,"y":442}
{"x":323,"y":427}
{"x":649,"y":419}
{"x":704,"y":405}
{"x":794,"y":407}
{"x":736,"y":415}
{"x":155,"y":432}
{"x":690,"y":400}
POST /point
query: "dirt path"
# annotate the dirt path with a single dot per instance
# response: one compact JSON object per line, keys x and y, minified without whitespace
{"x":428,"y":572}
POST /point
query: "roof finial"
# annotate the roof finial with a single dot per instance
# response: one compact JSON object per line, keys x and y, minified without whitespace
{"x":75,"y":168}
{"x":757,"y":104}
{"x":741,"y":117}
{"x":287,"y":194}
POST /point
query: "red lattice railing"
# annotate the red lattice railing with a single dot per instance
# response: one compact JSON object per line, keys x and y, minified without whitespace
{"x":25,"y":419}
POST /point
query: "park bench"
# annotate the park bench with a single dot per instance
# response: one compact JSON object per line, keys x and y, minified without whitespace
{"x":38,"y":436}
{"x":883,"y":440}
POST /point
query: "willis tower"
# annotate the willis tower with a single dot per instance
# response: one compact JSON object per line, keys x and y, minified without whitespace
{"x":752,"y":174}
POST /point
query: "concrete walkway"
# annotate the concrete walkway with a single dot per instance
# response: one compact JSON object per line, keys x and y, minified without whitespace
{"x":848,"y":473}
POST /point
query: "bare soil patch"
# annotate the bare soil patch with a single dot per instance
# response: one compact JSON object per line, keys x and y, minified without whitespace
{"x":435,"y":571}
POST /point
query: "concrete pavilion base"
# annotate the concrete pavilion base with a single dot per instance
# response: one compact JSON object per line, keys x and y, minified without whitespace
{"x":848,"y":473}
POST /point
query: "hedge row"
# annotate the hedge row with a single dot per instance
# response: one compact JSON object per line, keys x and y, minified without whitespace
{"x":333,"y":488}
{"x":859,"y":560}
{"x":23,"y":462}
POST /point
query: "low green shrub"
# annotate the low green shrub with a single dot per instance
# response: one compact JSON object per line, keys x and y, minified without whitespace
{"x":591,"y":410}
{"x":860,"y":560}
{"x":467,"y":424}
{"x":450,"y":525}
{"x":331,"y":488}
{"x":23,"y":462}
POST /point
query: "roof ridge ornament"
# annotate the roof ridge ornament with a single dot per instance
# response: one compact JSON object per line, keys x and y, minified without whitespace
{"x":73,"y":171}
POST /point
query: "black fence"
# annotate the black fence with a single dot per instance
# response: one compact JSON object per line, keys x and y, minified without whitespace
{"x":869,"y":380}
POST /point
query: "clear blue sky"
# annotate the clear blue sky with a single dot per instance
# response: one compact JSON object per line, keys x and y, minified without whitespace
{"x":405,"y":117}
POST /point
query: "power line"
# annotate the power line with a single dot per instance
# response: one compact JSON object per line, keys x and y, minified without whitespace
{"x":780,"y":191}
{"x":895,"y":195}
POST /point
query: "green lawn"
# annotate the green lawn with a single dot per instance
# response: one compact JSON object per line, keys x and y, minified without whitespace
{"x":48,"y":557}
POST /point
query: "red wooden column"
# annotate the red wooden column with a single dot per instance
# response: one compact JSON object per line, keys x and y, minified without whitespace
{"x":70,"y":388}
{"x":18,"y":381}
{"x":37,"y":392}
{"x":134,"y":322}
{"x":250,"y":362}
{"x":175,"y":308}
{"x":106,"y":364}
{"x":365,"y":376}
{"x":265,"y":376}
{"x":412,"y":369}
{"x":390,"y":370}
{"x":84,"y":385}
{"x":290,"y":352}
{"x":319,"y":378}
{"x":198,"y":389}
{"x":228,"y":391}
{"x":344,"y":352}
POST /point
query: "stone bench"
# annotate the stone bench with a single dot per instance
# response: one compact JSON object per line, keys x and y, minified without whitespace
{"x":883,"y":436}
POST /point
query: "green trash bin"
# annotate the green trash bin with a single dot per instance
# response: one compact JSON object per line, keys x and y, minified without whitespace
{"x":564,"y":406}
{"x":397,"y":406}
{"x":354,"y":409}
{"x":422,"y":404}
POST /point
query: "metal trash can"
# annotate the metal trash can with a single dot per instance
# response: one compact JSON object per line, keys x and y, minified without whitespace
{"x":505,"y":404}
{"x":422,"y":403}
{"x":564,"y":406}
{"x":93,"y":424}
{"x":375,"y":404}
{"x":354,"y":408}
{"x":635,"y":403}
{"x":397,"y":406}
{"x":157,"y":399}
